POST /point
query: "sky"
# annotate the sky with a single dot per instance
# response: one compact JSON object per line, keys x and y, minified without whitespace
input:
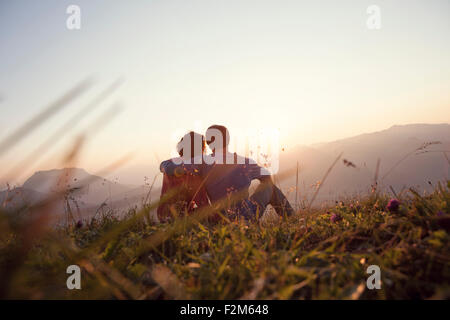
{"x":311,"y":70}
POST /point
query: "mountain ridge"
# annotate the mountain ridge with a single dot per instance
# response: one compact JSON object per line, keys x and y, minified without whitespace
{"x":390,"y":146}
{"x":390,"y":129}
{"x":364,"y":150}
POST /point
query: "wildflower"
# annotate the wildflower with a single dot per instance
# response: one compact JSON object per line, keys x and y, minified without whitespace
{"x":193,"y":265}
{"x":440,"y":213}
{"x":79,"y":224}
{"x":393,"y":205}
{"x":335,"y":217}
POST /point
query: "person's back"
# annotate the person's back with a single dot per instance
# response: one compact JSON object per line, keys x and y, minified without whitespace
{"x":184,"y":193}
{"x":226,"y":178}
{"x":230,"y":174}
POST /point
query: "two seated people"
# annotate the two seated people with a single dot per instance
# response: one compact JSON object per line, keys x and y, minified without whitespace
{"x":222,"y":179}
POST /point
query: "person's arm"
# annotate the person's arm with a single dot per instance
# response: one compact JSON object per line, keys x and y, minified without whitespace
{"x":254,"y":171}
{"x":170,"y":168}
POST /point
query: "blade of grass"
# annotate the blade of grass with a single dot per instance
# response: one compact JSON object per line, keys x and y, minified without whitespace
{"x":323,"y":180}
{"x":40,"y":118}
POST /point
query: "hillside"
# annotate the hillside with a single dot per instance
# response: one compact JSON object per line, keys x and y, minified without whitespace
{"x":321,"y":254}
{"x":84,"y":193}
{"x":390,"y":146}
{"x":421,"y":169}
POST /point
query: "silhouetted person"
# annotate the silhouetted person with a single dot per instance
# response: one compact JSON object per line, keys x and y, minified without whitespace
{"x":184,"y":191}
{"x":226,"y":174}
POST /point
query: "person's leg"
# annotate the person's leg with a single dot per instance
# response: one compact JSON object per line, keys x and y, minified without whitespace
{"x":280,"y":202}
{"x":268,"y":193}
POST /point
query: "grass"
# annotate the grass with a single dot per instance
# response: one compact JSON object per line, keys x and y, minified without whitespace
{"x":317,"y":254}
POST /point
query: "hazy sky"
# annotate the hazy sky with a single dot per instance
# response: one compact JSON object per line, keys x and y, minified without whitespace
{"x":311,"y":69}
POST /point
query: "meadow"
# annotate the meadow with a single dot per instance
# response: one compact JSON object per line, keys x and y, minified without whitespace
{"x":316,"y":254}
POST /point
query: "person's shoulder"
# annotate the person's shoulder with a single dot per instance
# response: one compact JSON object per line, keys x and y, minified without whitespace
{"x":252,"y":167}
{"x":167,"y":163}
{"x":246,"y":160}
{"x":241,"y":159}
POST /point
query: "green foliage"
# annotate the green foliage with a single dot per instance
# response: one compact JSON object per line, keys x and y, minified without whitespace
{"x":308,"y":256}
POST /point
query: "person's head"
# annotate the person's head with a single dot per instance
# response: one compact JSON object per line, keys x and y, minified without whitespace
{"x":191,"y":145}
{"x":215,"y":132}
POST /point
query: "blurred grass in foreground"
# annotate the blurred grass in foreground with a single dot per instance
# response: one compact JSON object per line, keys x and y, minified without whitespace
{"x":313,"y":255}
{"x":316,"y":254}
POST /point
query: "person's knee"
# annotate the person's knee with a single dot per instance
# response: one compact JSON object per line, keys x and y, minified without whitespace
{"x":263,"y":194}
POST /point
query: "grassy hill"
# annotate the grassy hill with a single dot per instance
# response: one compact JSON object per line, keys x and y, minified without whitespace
{"x":392,"y":154}
{"x":313,"y":255}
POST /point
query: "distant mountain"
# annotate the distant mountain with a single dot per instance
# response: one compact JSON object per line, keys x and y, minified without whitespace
{"x":18,"y":197}
{"x":419,"y":169}
{"x":89,"y":187}
{"x":78,"y":191}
